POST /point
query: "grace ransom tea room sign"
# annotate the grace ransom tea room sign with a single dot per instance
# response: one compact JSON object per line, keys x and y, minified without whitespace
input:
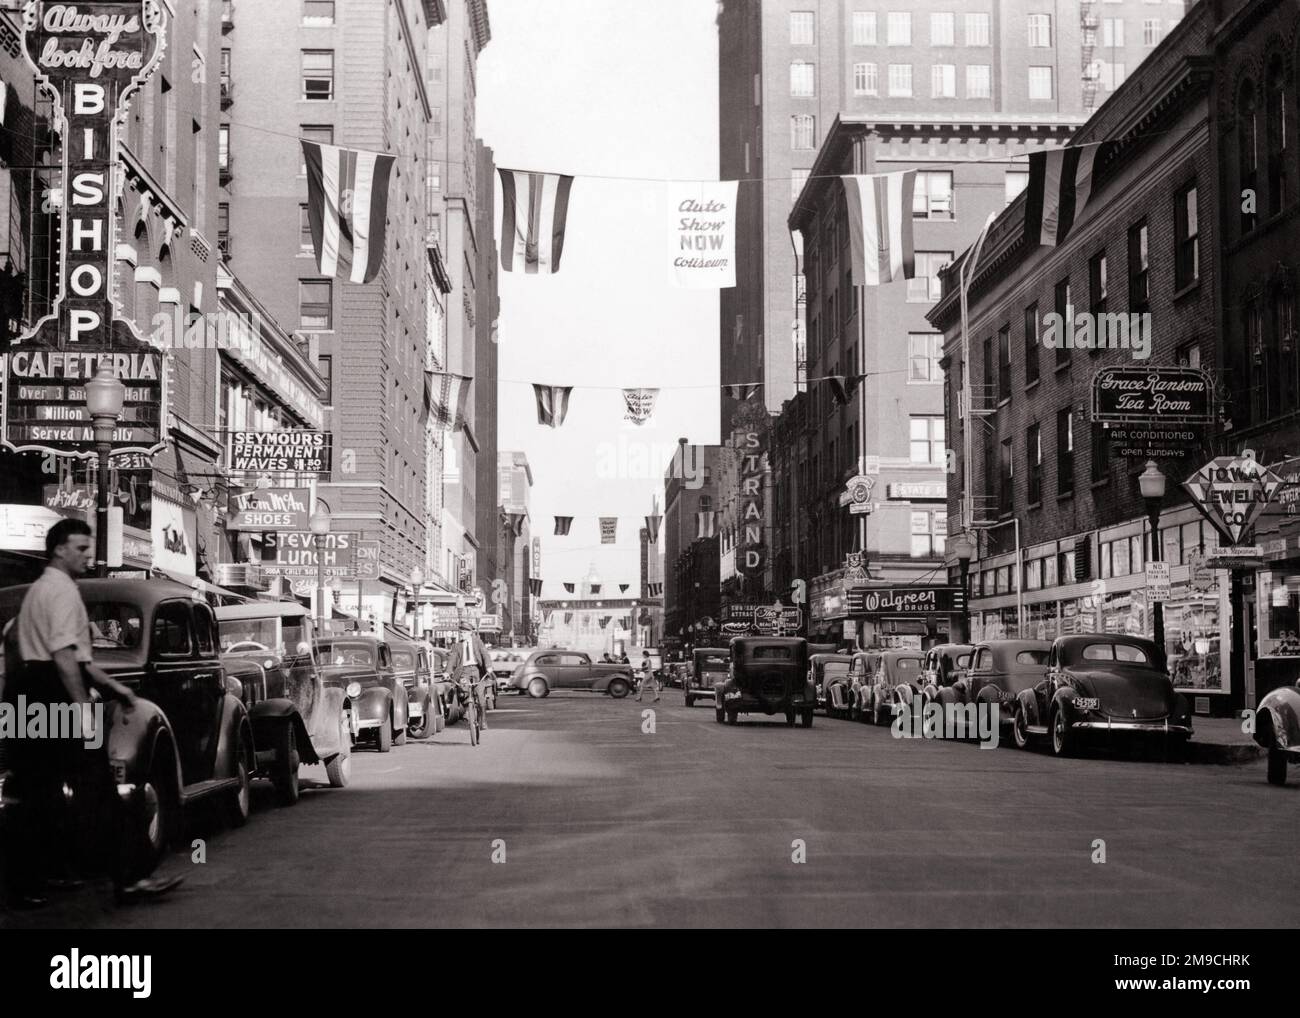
{"x":1152,"y":412}
{"x":88,"y":58}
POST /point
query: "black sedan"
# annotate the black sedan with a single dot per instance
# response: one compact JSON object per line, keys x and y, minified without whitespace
{"x":1102,"y":686}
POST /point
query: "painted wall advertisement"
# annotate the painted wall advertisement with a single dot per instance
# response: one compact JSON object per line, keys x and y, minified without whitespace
{"x":89,"y":64}
{"x":173,"y":537}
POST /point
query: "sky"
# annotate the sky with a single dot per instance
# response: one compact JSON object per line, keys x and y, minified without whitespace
{"x":603,"y":89}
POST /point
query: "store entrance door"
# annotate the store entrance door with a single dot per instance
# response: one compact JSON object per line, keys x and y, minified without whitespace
{"x":1249,"y":647}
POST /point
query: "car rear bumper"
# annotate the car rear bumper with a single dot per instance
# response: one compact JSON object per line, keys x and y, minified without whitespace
{"x":1149,"y":727}
{"x":712,"y":694}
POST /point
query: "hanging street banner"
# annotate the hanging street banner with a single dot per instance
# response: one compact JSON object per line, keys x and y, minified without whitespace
{"x":88,"y":59}
{"x":608,"y":529}
{"x":640,"y":404}
{"x":269,"y":509}
{"x":702,"y":234}
{"x":294,"y":554}
{"x":1231,"y":492}
{"x":259,"y":452}
{"x":1152,"y":395}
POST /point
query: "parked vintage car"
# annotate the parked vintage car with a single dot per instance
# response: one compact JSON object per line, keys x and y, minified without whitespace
{"x":1277,"y":729}
{"x":708,"y":666}
{"x":444,"y":684}
{"x":188,"y":738}
{"x":505,"y":660}
{"x":831,"y":684}
{"x":1000,"y":670}
{"x":766,"y":675}
{"x":897,"y":679}
{"x":863,"y":667}
{"x":1101,"y":685}
{"x":270,"y":665}
{"x":363,"y":667}
{"x":570,"y":669}
{"x":411,"y":662}
{"x":943,"y":665}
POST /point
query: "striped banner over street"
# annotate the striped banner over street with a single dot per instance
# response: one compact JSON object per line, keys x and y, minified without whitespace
{"x":534,"y":207}
{"x":880,"y":226}
{"x":347,"y":207}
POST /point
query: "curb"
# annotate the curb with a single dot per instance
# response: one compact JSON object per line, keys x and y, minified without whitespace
{"x":1223,"y":753}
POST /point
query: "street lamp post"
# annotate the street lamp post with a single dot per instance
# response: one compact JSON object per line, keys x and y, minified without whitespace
{"x":1152,"y":484}
{"x":320,"y":527}
{"x":417,"y":581}
{"x":963,"y":546}
{"x":105,"y":395}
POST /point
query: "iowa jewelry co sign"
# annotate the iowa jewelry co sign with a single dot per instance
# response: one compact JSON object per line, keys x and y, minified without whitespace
{"x":89,"y":58}
{"x":1231,"y":492}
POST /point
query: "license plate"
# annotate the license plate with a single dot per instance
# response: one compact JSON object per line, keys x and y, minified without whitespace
{"x":119,"y":771}
{"x":1086,"y":703}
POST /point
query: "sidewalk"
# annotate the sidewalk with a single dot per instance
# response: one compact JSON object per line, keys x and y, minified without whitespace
{"x":1221,"y":741}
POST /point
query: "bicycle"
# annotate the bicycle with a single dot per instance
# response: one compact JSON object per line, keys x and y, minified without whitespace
{"x":473,"y":710}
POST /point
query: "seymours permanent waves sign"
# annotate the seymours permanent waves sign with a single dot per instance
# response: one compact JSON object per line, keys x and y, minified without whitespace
{"x":906,"y":600}
{"x":303,"y":452}
{"x":89,"y":58}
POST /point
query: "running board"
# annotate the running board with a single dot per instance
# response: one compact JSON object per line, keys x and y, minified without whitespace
{"x":202,"y":789}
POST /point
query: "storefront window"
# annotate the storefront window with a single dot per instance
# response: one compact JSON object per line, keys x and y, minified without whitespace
{"x":1191,"y":538}
{"x":1034,"y":574}
{"x":1106,"y":571}
{"x":1049,"y":572}
{"x":1135,"y":545}
{"x":1171,"y":549}
{"x":1119,"y":558}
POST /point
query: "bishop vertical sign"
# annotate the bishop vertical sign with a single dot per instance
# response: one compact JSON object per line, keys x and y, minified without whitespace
{"x":88,"y":57}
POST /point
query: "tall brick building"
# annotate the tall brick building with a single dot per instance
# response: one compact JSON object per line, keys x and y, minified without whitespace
{"x":1056,"y":507}
{"x":1253,"y":126}
{"x":353,"y":78}
{"x":791,"y":69}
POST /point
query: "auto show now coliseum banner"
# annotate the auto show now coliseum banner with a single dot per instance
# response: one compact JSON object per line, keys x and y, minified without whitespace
{"x":89,"y":58}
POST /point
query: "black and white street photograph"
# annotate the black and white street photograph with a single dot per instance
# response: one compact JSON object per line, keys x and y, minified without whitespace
{"x":701,"y":464}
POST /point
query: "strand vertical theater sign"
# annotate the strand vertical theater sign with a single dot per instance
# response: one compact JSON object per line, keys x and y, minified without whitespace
{"x":89,"y":58}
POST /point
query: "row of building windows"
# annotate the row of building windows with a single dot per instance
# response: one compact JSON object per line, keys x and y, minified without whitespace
{"x":898,"y":27}
{"x":1187,"y":269}
{"x":1123,"y":556}
{"x":943,"y":85}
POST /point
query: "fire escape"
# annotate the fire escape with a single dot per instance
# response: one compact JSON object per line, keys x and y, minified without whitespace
{"x":1088,"y":34}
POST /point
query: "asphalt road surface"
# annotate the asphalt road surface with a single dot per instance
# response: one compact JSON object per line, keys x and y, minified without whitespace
{"x":700,"y":824}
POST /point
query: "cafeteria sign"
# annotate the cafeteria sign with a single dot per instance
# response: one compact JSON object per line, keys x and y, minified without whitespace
{"x":1231,"y":492}
{"x":88,"y":59}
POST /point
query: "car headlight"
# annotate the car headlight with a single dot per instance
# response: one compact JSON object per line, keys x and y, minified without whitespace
{"x":1086,"y":703}
{"x":354,"y":689}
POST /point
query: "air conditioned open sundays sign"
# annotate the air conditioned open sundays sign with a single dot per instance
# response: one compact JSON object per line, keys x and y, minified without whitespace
{"x":88,"y":58}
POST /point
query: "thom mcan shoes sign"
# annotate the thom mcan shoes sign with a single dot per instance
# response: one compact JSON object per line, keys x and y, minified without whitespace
{"x":89,"y":58}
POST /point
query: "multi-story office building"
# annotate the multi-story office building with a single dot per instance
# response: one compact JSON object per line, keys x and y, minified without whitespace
{"x":1053,"y":499}
{"x":353,"y":78}
{"x":891,"y":428}
{"x":789,"y":68}
{"x":513,"y":551}
{"x":487,"y":505}
{"x":454,"y":176}
{"x":165,"y":267}
{"x":689,"y":537}
{"x":267,"y":383}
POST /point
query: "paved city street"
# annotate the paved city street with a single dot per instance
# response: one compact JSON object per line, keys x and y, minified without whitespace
{"x":606,"y":826}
